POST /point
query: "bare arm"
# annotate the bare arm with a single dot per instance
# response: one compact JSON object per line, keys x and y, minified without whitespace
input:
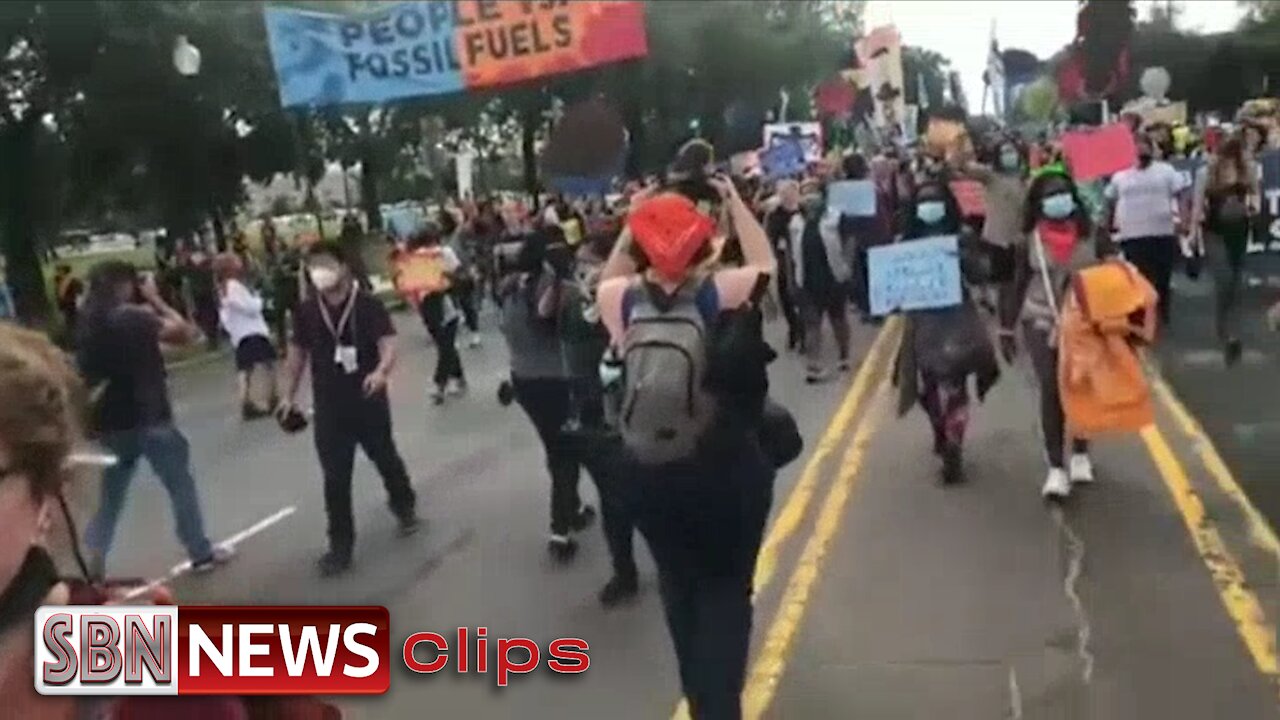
{"x":756,"y":252}
{"x":294,"y":362}
{"x":174,"y":328}
{"x":388,"y":354}
{"x":620,"y":262}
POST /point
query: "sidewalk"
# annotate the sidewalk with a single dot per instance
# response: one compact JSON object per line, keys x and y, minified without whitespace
{"x":979,"y":601}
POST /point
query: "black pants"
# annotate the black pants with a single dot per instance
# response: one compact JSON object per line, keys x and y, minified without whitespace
{"x":465,"y":295}
{"x":1044,"y":360}
{"x":704,"y":523}
{"x":790,"y":311}
{"x":1154,"y":258}
{"x":547,"y":403}
{"x":445,"y":335}
{"x":605,"y":460}
{"x":338,"y":430}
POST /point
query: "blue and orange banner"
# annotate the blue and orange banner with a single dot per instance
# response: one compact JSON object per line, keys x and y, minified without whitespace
{"x":434,"y":47}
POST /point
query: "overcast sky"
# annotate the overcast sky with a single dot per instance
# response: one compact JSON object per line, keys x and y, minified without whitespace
{"x":961,"y":29}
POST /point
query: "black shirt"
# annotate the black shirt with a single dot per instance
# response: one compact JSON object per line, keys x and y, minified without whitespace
{"x":369,"y":322}
{"x":122,"y":350}
{"x":778,"y":228}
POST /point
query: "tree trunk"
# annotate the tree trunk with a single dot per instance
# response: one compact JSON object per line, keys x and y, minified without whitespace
{"x":24,"y":271}
{"x":528,"y":132}
{"x":219,"y":230}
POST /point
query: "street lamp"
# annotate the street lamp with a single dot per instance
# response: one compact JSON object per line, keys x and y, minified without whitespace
{"x":186,"y":57}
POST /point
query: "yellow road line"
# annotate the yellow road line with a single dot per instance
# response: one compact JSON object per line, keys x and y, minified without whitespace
{"x":1260,"y":531}
{"x":793,"y":512}
{"x":771,"y":661}
{"x":797,"y":503}
{"x":1233,"y":588}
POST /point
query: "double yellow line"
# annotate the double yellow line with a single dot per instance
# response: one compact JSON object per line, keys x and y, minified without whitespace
{"x":770,"y":662}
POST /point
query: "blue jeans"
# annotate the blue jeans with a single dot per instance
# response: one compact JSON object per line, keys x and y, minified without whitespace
{"x":170,"y":457}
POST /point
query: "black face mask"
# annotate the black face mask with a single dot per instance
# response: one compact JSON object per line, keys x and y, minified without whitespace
{"x":28,"y":589}
{"x":1144,"y":159}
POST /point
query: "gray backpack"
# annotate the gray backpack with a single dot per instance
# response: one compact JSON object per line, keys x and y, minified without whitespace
{"x":665,"y":408}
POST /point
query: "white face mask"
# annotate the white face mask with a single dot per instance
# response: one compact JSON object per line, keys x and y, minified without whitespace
{"x":323,"y":278}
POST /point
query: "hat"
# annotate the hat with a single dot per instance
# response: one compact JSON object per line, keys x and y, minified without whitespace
{"x":670,"y":230}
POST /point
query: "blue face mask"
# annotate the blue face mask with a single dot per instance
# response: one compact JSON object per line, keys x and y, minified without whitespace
{"x":931,"y":212}
{"x":1058,"y":206}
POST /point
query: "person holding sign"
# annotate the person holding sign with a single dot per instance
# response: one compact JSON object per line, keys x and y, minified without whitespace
{"x":1056,"y":240}
{"x":821,"y":273}
{"x":941,"y":347}
{"x":426,"y":276}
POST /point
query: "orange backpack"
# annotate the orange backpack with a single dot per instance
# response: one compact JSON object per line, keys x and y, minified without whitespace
{"x":1100,"y":377}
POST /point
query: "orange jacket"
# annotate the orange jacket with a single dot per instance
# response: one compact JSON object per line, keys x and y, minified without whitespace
{"x":1100,"y":377}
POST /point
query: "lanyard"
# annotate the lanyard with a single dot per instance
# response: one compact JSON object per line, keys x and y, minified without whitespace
{"x":337,"y":331}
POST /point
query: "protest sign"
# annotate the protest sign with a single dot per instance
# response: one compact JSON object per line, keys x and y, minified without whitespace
{"x":856,"y":198}
{"x":403,"y":223}
{"x":914,"y":275}
{"x":1096,"y":153}
{"x":971,"y":197}
{"x":420,"y":272}
{"x":807,"y":134}
{"x":880,"y":55}
{"x":430,"y":47}
{"x":785,"y":158}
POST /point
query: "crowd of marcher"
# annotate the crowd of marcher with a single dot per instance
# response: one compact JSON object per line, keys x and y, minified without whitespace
{"x":635,"y":328}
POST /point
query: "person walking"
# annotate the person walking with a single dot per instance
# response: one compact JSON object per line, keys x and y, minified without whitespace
{"x":778,"y":226}
{"x":540,"y":382}
{"x":941,"y":348}
{"x":1225,"y":198}
{"x":241,"y":315}
{"x":1056,"y":240}
{"x":584,"y":344}
{"x":1142,"y":200}
{"x":346,"y":337}
{"x":438,"y":309}
{"x":123,"y":323}
{"x":821,"y":275}
{"x":705,"y":484}
{"x":460,"y":239}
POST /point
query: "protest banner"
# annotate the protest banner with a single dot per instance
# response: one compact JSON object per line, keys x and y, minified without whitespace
{"x":971,"y":196}
{"x":856,"y":198}
{"x":914,"y":275}
{"x":807,"y":134}
{"x":1096,"y":153}
{"x":431,"y":47}
{"x":880,"y":54}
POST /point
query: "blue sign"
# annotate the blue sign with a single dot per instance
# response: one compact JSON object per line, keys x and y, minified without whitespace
{"x":856,"y":198}
{"x":784,"y":158}
{"x":404,"y":51}
{"x":914,"y":275}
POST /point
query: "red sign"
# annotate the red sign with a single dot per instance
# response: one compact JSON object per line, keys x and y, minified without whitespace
{"x":1097,"y":153}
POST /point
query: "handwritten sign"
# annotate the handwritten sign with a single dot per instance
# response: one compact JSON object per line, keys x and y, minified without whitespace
{"x":430,"y":47}
{"x":971,"y":196}
{"x":856,"y":198}
{"x":914,"y":275}
{"x":1097,"y":153}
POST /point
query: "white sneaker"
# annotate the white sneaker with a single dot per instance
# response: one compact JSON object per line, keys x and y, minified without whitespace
{"x":454,"y":388}
{"x":1057,"y":485}
{"x":1081,"y":468}
{"x":474,"y":342}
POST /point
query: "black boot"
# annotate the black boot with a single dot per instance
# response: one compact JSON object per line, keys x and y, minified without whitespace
{"x":618,"y":590}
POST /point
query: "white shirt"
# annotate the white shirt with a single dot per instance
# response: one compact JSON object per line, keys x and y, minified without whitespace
{"x":1145,"y":200}
{"x":241,"y":313}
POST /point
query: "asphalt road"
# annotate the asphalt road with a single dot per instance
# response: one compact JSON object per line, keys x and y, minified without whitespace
{"x":880,"y":594}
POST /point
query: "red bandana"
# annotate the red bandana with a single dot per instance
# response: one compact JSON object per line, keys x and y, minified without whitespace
{"x":1059,"y":238}
{"x":670,"y":230}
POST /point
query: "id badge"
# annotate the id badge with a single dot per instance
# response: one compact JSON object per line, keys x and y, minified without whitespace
{"x":344,"y":356}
